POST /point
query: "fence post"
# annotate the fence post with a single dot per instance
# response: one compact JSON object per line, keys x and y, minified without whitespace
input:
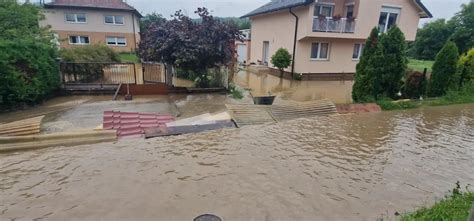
{"x":143,"y":72}
{"x":169,"y":75}
{"x":135,"y":72}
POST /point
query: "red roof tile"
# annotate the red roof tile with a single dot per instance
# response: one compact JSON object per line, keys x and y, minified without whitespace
{"x":133,"y":124}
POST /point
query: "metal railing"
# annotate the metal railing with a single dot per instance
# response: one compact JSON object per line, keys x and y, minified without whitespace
{"x":329,"y":24}
{"x":98,"y":73}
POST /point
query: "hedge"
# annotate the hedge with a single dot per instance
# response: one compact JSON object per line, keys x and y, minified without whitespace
{"x":29,"y":72}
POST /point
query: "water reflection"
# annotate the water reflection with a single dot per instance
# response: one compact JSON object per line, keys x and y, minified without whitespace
{"x":263,"y":84}
{"x":353,"y":167}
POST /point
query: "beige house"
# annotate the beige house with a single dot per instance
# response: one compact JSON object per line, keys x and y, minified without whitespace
{"x":327,"y":36}
{"x":83,"y":22}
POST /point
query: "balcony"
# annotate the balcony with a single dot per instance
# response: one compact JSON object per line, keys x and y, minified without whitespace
{"x":334,"y":24}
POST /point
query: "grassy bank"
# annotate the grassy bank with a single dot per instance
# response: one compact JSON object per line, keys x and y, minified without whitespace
{"x":463,"y":96}
{"x":455,"y":207}
{"x":129,"y":57}
{"x":420,"y":65}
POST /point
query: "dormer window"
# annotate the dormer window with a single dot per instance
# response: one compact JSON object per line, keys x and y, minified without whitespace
{"x":76,"y":18}
{"x":114,"y":20}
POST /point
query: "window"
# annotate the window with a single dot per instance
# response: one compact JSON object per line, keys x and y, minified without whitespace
{"x":349,"y":11}
{"x":323,"y":10}
{"x":114,"y":19}
{"x":320,"y":51}
{"x":388,"y":18}
{"x":79,"y":40}
{"x":117,"y":41}
{"x":358,"y":49}
{"x":76,"y":18}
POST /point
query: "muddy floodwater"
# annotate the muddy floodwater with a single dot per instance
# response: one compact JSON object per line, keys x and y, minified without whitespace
{"x":262,"y":84}
{"x":355,"y":167}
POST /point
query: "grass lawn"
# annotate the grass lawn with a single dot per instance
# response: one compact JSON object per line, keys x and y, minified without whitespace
{"x":420,"y":65}
{"x":456,"y":208}
{"x":464,"y":96}
{"x":129,"y":57}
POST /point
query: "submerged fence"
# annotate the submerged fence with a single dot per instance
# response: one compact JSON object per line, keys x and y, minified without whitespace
{"x":111,"y":73}
{"x":98,"y":73}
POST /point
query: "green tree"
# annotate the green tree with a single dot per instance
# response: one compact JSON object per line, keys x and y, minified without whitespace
{"x":430,"y":39}
{"x":362,"y":90}
{"x":281,"y":59}
{"x":466,"y":68}
{"x":464,"y":27}
{"x":153,"y":18}
{"x":28,"y":67}
{"x":444,"y":70}
{"x":394,"y":64}
{"x":21,"y":21}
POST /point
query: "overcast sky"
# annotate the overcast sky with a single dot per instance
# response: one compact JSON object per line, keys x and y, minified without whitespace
{"x":237,"y":8}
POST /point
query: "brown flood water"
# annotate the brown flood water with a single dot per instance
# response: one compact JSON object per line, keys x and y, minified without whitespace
{"x":339,"y":92}
{"x":355,"y":167}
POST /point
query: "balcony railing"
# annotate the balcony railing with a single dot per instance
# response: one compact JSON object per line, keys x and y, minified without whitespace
{"x":329,"y":24}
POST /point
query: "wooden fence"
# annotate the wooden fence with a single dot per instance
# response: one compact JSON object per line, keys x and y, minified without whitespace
{"x":94,"y":73}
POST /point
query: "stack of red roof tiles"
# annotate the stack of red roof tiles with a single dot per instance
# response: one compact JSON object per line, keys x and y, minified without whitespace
{"x":133,"y":124}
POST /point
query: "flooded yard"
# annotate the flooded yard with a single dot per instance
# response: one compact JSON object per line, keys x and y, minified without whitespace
{"x":72,"y":113}
{"x":354,"y":167}
{"x":262,"y":84}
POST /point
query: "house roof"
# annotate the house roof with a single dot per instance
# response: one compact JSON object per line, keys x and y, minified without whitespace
{"x":425,"y":10}
{"x":277,"y":5}
{"x":93,"y":4}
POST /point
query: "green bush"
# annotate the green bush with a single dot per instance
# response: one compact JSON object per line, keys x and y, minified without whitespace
{"x":414,"y":86}
{"x":90,"y":53}
{"x":466,"y":68}
{"x":235,"y":91}
{"x":28,"y":73}
{"x":281,"y":59}
{"x":298,"y":77}
{"x":444,"y":70}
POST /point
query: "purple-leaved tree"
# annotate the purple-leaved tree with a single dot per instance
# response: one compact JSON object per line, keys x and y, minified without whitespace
{"x":190,"y":45}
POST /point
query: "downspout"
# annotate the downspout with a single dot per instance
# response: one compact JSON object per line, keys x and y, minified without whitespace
{"x":294,"y":42}
{"x":134,"y":33}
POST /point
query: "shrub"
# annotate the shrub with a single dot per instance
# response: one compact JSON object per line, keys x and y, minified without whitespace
{"x":28,"y":68}
{"x":298,"y":77}
{"x":444,"y":70}
{"x":28,"y":73}
{"x":90,"y":53}
{"x":415,"y":85}
{"x":362,"y":89}
{"x":466,"y":68}
{"x":235,"y":91}
{"x":281,"y":59}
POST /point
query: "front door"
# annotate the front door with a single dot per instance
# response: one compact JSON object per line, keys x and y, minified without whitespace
{"x":242,"y":53}
{"x":266,"y":51}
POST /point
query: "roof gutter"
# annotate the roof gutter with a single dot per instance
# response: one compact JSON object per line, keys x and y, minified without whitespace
{"x":138,"y":14}
{"x":294,"y":41}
